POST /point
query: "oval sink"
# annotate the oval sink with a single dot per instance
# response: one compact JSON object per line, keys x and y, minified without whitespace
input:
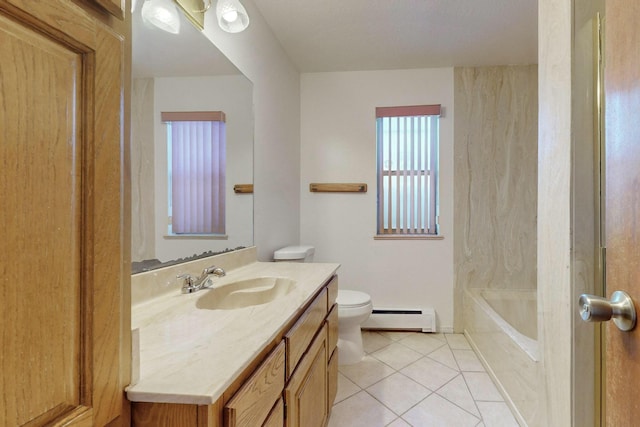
{"x":245,"y":293}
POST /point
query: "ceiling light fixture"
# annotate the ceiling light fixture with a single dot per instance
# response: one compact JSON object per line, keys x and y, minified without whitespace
{"x":163,"y":14}
{"x":232,"y":16}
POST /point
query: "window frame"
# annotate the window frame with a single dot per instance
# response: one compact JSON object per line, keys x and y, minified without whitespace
{"x":407,"y":226}
{"x":170,"y":118}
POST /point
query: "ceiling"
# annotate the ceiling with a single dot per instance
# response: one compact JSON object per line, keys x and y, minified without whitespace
{"x":348,"y":35}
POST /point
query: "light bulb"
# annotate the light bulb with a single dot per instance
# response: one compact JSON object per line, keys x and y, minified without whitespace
{"x":230,"y":16}
{"x":163,"y":14}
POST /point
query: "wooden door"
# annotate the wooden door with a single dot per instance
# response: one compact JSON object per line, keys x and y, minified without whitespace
{"x":64,"y":307}
{"x":622,"y":209}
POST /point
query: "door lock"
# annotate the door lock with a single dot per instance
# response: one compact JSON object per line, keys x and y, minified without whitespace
{"x":598,"y":309}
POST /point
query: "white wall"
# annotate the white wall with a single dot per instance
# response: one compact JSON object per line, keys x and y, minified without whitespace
{"x":338,"y":144}
{"x":276,"y":96}
{"x":233,"y":95}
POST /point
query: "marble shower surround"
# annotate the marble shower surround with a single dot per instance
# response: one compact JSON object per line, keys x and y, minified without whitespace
{"x":496,"y":191}
{"x":142,"y":170}
{"x":495,"y":164}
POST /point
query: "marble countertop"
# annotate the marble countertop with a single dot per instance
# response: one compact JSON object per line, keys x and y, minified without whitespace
{"x":191,"y":355}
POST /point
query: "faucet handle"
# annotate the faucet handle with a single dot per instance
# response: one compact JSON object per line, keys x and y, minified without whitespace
{"x":188,"y":285}
{"x":216,"y":271}
{"x":187,"y":279}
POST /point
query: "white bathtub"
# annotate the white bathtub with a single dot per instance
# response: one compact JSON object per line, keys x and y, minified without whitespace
{"x":502,"y":327}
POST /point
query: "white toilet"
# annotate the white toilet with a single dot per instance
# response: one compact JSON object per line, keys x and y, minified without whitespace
{"x":354,"y":308}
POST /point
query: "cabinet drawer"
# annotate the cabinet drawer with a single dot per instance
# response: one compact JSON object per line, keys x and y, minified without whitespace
{"x":332,"y":380}
{"x":276,"y":417}
{"x":332,"y":291}
{"x":332,"y":323}
{"x":300,"y":335}
{"x":254,"y":400}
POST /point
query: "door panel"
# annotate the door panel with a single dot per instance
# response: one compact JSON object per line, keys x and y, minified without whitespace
{"x":41,"y":220}
{"x":622,"y":106}
{"x":114,"y":7}
{"x":64,"y":319}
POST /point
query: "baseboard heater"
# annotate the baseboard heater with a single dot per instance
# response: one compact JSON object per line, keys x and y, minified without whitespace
{"x":423,"y":319}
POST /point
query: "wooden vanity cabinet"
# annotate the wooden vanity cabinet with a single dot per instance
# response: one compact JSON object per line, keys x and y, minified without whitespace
{"x":276,"y":417}
{"x":253,"y":402}
{"x":299,"y":337}
{"x":306,"y":392}
{"x":292,"y":384}
{"x":332,"y":356}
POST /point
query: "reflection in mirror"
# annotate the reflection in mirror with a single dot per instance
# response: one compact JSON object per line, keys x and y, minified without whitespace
{"x":184,"y":72}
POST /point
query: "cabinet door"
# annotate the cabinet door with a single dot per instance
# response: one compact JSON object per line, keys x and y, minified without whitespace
{"x":251,"y":405}
{"x":332,"y":380}
{"x":306,"y":393}
{"x":276,"y":417}
{"x":63,"y":283}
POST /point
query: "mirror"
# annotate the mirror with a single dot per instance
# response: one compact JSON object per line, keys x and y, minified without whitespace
{"x":184,"y":72}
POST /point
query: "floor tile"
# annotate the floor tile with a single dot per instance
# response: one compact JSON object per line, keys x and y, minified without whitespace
{"x":437,"y":411}
{"x":346,"y":388}
{"x":457,"y":342}
{"x":395,"y":335}
{"x":497,"y":414}
{"x":445,"y":356}
{"x":373,"y":341}
{"x":367,"y":372}
{"x":423,"y":343}
{"x":439,"y":336}
{"x":360,"y":410}
{"x":457,"y":392}
{"x":481,"y":387}
{"x":468,"y":361}
{"x":399,"y":422}
{"x":396,"y":355}
{"x":398,"y":392}
{"x":446,"y":387}
{"x":429,"y":373}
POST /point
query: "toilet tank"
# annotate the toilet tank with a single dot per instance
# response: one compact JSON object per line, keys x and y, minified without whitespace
{"x":294,"y":254}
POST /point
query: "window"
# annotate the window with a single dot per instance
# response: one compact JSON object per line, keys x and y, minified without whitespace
{"x":196,"y":166}
{"x":407,"y":143}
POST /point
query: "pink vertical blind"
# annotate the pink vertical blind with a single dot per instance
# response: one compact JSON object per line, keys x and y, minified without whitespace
{"x":197,"y":171}
{"x":407,"y":169}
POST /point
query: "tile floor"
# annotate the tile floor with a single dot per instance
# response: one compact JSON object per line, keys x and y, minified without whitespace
{"x":419,"y":380}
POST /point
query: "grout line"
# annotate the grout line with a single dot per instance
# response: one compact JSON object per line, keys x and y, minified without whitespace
{"x":468,"y":390}
{"x":460,"y":373}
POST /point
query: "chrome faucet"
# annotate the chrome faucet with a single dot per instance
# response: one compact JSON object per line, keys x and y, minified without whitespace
{"x":191,"y":284}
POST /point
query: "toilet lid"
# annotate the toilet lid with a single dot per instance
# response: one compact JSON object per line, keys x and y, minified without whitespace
{"x":352,"y":298}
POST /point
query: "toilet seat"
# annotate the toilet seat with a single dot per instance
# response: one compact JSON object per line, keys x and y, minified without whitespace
{"x":352,"y":299}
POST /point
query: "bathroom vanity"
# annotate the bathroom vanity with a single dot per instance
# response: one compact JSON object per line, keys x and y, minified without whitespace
{"x":224,"y":356}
